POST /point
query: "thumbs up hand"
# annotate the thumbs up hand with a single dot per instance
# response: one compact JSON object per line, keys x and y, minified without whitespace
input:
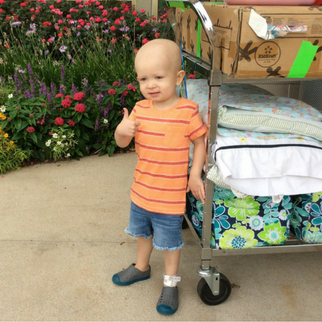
{"x":128,"y":127}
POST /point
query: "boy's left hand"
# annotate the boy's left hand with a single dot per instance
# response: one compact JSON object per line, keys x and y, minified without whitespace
{"x":196,"y":186}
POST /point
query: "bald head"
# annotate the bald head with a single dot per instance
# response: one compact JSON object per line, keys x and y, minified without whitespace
{"x":165,"y":51}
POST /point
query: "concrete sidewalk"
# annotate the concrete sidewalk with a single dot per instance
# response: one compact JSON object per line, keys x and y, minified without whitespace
{"x":62,"y":238}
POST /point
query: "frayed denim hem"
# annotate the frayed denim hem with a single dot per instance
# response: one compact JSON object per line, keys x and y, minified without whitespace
{"x":171,"y":249}
{"x":137,"y":235}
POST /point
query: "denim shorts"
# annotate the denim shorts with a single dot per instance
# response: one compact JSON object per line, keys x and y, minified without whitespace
{"x":165,"y":229}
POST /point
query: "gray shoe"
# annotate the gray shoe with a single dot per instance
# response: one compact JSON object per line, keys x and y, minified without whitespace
{"x":168,"y":301}
{"x":130,"y":275}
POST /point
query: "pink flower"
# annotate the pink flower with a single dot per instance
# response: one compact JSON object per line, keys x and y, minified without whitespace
{"x":142,"y":10}
{"x":59,"y":121}
{"x":66,"y":102}
{"x":157,"y":35}
{"x":59,"y":95}
{"x":192,"y":76}
{"x":71,"y":123}
{"x":113,"y":28}
{"x":145,"y":40}
{"x":30,"y":129}
{"x":79,"y":96}
{"x":125,"y":93}
{"x":111,"y":91}
{"x":134,"y":13}
{"x":116,"y":83}
{"x":80,"y":108}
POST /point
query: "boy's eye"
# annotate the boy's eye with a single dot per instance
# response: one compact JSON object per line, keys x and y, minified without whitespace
{"x":159,"y":77}
{"x":142,"y":79}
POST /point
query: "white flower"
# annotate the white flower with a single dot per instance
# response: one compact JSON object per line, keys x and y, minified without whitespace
{"x":54,"y":148}
{"x":58,"y":143}
{"x":67,"y":155}
{"x":2,"y":108}
{"x":64,"y":136}
{"x":55,"y":135}
{"x":48,"y":143}
{"x":10,"y":96}
{"x":105,"y":121}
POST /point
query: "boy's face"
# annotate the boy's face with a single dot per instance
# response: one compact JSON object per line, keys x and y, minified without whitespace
{"x":158,"y":77}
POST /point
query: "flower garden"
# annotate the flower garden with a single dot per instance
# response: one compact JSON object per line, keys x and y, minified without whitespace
{"x":66,"y":72}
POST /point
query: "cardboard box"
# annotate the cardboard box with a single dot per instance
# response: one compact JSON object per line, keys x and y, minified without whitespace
{"x":241,"y":53}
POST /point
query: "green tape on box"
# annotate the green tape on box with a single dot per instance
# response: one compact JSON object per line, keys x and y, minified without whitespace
{"x":177,"y":4}
{"x":303,"y":60}
{"x":199,"y":38}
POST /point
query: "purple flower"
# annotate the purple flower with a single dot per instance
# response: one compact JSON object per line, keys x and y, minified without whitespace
{"x":29,"y":69}
{"x":62,"y":49}
{"x":99,"y":98}
{"x":97,"y":125}
{"x":15,"y":23}
{"x":61,"y":88}
{"x":53,"y":89}
{"x":62,"y":73}
{"x":74,"y":89}
{"x":49,"y":99}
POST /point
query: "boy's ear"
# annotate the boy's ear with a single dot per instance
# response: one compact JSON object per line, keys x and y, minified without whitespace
{"x":180,"y":77}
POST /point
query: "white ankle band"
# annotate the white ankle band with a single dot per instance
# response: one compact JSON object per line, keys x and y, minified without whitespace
{"x":171,"y":280}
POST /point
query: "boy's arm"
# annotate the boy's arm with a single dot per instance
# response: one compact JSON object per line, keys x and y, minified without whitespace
{"x":195,"y":183}
{"x":126,"y":130}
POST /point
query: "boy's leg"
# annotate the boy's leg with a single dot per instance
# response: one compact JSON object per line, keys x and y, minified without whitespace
{"x":144,"y":250}
{"x":171,"y":262}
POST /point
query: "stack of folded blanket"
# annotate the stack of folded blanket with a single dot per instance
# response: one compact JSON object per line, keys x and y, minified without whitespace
{"x":267,"y":167}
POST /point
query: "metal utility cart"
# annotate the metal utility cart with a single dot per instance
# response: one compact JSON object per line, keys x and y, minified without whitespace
{"x":214,"y":287}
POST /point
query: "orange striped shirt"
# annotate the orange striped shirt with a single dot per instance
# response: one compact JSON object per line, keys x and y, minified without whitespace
{"x":162,"y":144}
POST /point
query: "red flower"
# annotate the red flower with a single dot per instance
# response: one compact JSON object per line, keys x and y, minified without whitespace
{"x":79,"y":96}
{"x":71,"y":123}
{"x":157,"y":35}
{"x":145,"y":40}
{"x":143,"y":10}
{"x":68,"y":97}
{"x":130,"y":86}
{"x":59,"y":121}
{"x":134,"y":13}
{"x":117,"y":21}
{"x":111,"y":91}
{"x":113,"y":28}
{"x":59,"y":95}
{"x":137,"y":19}
{"x":192,"y":76}
{"x":30,"y":129}
{"x":115,"y":9}
{"x":80,"y":108}
{"x":66,"y":102}
{"x":116,"y":83}
{"x":23,"y":4}
{"x":125,"y":93}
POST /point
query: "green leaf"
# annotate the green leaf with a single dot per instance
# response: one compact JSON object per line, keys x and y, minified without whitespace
{"x":34,"y":137}
{"x":85,"y":136}
{"x":17,"y":124}
{"x":13,"y":114}
{"x":87,"y":123}
{"x":17,"y":136}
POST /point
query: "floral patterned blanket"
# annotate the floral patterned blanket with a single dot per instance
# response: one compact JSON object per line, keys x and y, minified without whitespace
{"x":243,"y":222}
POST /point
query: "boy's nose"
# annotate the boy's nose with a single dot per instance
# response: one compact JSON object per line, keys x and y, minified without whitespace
{"x":151,"y":84}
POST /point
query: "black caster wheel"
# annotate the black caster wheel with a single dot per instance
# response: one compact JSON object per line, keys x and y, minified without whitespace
{"x":206,"y":295}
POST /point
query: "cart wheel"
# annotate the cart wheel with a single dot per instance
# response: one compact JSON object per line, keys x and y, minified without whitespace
{"x":208,"y":297}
